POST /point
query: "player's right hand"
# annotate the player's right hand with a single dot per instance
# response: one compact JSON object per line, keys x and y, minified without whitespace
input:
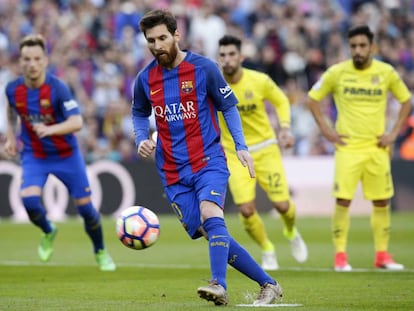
{"x":246,"y":160}
{"x":10,"y":147}
{"x":146,"y":147}
{"x":334,"y":137}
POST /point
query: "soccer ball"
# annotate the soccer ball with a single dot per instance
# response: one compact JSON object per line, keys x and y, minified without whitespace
{"x":138,"y":227}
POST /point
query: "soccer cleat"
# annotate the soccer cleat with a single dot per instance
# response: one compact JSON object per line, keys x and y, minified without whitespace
{"x":105,"y":261}
{"x":213,"y":292}
{"x":383,"y":260}
{"x":268,"y":294}
{"x":299,"y":248}
{"x":341,"y":262}
{"x":45,"y":249}
{"x":269,"y":261}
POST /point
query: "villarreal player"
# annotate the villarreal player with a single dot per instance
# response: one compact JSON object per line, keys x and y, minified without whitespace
{"x":360,"y":89}
{"x":253,"y":89}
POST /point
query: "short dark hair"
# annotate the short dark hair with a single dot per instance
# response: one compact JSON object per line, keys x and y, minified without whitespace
{"x":158,"y":17}
{"x":230,"y":40}
{"x":361,"y":30}
{"x":33,"y":40}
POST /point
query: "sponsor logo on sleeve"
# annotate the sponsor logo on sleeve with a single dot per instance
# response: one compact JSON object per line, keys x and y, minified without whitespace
{"x":226,"y":91}
{"x":71,"y":104}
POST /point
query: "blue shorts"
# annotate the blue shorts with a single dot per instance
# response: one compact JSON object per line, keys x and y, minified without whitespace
{"x":70,"y":170}
{"x":208,"y":184}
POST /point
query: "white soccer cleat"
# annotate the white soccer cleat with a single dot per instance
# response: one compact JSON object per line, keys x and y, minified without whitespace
{"x":269,"y":293}
{"x":299,"y":248}
{"x":215,"y":293}
{"x":269,"y":261}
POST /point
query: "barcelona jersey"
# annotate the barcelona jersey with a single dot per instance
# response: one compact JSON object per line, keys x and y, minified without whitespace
{"x":185,"y":101}
{"x":51,"y":103}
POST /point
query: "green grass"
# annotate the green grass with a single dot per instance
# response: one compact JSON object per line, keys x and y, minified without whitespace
{"x":166,"y":276}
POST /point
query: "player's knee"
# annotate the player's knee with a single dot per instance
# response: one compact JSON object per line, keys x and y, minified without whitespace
{"x":31,"y":191}
{"x":381,"y":203}
{"x":247,"y":209}
{"x":343,"y":202}
{"x":83,"y":201}
{"x":281,"y":207}
{"x":209,"y":209}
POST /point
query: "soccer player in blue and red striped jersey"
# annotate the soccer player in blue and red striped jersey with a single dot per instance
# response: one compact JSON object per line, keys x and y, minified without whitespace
{"x":185,"y":91}
{"x":49,"y":117}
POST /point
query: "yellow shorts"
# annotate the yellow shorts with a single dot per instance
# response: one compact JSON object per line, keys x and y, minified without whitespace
{"x":372,"y":167}
{"x":270,"y":175}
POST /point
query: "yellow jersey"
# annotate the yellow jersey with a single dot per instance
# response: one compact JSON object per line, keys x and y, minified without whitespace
{"x":360,"y":97}
{"x":253,"y":91}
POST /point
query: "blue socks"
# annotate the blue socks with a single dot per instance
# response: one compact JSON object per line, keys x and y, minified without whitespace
{"x":92,"y":222}
{"x":36,"y":212}
{"x":224,"y":249}
{"x":218,"y":244}
{"x":242,"y":261}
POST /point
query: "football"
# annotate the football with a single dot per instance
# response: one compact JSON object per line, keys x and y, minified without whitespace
{"x":138,"y":227}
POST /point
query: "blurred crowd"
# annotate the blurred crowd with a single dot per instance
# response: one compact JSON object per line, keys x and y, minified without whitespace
{"x":96,"y":47}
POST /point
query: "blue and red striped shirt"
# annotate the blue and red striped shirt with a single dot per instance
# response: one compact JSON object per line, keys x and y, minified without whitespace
{"x":51,"y":103}
{"x":185,"y":101}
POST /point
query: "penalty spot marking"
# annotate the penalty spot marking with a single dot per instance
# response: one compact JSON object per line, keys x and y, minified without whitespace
{"x":276,"y":305}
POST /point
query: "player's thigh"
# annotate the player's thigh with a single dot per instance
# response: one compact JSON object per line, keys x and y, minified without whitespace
{"x":208,"y":184}
{"x":349,"y":167}
{"x":271,"y":174}
{"x":186,"y":206}
{"x":377,"y":179}
{"x":241,"y":185}
{"x":348,"y":173}
{"x":34,"y":172}
{"x":72,"y":172}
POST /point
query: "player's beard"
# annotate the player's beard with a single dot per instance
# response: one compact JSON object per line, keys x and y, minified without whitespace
{"x":360,"y":62}
{"x":167,"y":58}
{"x":229,"y":70}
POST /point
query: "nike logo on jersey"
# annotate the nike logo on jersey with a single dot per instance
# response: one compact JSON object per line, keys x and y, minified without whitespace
{"x":153,"y":92}
{"x":212,"y":192}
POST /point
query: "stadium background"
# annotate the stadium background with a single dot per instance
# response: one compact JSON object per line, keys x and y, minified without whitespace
{"x":96,"y":47}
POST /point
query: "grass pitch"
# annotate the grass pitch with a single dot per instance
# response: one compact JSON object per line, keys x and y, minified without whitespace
{"x":166,"y":275}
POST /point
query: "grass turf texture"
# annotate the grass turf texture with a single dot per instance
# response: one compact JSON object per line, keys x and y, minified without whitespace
{"x":166,"y":275}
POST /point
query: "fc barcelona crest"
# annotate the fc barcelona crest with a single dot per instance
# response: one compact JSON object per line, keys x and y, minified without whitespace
{"x":44,"y":103}
{"x":187,"y":86}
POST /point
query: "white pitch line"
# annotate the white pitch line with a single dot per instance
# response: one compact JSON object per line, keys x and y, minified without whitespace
{"x":185,"y":266}
{"x":275,"y":305}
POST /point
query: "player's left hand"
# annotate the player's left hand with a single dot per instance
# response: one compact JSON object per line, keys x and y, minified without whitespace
{"x":246,"y":160}
{"x":385,"y":140}
{"x":146,"y":147}
{"x":41,"y":130}
{"x":286,"y":139}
